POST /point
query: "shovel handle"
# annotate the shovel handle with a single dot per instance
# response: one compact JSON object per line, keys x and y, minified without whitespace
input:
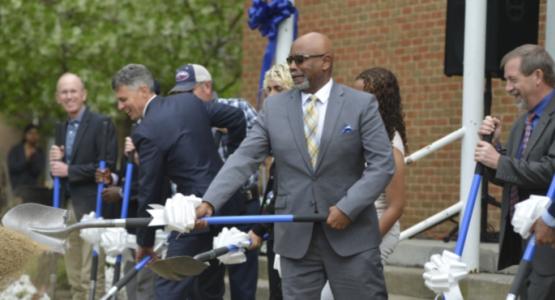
{"x":136,"y":222}
{"x":212,"y":254}
{"x":56,"y":193}
{"x":264,"y":219}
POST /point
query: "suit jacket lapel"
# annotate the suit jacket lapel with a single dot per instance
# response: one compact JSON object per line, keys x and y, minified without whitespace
{"x":544,"y":120}
{"x":295,"y":116}
{"x":80,"y":132}
{"x":335,"y":104}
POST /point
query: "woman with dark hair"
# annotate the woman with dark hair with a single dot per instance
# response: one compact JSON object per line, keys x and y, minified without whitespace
{"x":26,"y":159}
{"x":390,"y":205}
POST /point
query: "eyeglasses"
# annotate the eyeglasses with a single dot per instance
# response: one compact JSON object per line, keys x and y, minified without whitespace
{"x":300,"y":58}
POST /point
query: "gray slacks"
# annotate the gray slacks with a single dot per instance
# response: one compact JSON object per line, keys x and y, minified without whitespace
{"x":359,"y":276}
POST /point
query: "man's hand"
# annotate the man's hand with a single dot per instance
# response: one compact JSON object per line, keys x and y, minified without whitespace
{"x":58,"y":168}
{"x":129,"y":148}
{"x":486,"y":154}
{"x":491,"y":125}
{"x":205,"y":209}
{"x":111,"y":194}
{"x":256,"y":241}
{"x":337,"y":219}
{"x":56,"y":153}
{"x":145,"y":251}
{"x":103,"y":176}
{"x":545,"y":235}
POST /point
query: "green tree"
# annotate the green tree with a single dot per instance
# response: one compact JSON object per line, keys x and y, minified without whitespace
{"x":40,"y":40}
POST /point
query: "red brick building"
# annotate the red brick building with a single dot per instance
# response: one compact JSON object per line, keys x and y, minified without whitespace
{"x":407,"y":37}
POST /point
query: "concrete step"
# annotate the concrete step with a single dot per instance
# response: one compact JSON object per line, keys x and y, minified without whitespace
{"x":408,"y":281}
{"x":404,"y":268}
{"x":415,"y":253}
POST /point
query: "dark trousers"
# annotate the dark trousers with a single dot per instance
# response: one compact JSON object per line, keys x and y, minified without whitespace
{"x":273,"y":275}
{"x":209,"y":285}
{"x":540,"y":287}
{"x":243,"y":277}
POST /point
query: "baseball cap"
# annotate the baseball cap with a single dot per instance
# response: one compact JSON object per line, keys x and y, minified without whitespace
{"x":187,"y":76}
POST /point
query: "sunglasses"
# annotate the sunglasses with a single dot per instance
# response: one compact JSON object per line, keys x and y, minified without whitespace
{"x":301,"y":58}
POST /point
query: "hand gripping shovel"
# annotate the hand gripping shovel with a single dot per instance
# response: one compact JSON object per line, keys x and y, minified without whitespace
{"x":525,"y":266}
{"x":453,"y":291}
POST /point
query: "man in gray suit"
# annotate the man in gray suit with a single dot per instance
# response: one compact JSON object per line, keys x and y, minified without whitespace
{"x":528,"y":164}
{"x":332,"y":157}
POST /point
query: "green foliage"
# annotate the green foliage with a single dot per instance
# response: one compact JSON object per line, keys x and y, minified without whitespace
{"x":40,"y":40}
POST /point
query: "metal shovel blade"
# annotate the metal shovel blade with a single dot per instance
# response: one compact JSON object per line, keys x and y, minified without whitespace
{"x":177,"y":267}
{"x":25,"y":216}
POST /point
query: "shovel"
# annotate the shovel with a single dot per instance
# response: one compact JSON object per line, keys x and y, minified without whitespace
{"x":131,"y":274}
{"x":179,"y":267}
{"x":23,"y":217}
{"x":173,"y":268}
{"x":62,"y":232}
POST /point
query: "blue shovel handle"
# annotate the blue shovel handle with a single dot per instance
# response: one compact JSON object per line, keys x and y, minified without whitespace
{"x":56,"y":193}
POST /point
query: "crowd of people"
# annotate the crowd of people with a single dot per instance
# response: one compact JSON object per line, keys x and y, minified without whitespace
{"x":333,"y":149}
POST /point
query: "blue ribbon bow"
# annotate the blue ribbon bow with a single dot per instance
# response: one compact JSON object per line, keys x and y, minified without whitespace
{"x":266,"y":17}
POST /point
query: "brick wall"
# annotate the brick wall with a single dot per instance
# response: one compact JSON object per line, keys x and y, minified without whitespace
{"x":407,"y":37}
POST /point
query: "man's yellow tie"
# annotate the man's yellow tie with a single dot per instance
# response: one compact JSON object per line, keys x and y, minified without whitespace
{"x":310,"y":128}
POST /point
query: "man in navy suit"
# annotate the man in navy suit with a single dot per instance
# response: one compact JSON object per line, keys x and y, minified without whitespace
{"x":174,"y":140}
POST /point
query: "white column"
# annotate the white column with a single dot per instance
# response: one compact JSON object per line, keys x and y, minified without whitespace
{"x":284,"y":39}
{"x":473,"y":108}
{"x":550,"y":27}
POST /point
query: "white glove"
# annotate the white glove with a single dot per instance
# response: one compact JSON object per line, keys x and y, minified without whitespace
{"x":235,"y":237}
{"x":116,"y":240}
{"x":527,"y":212}
{"x":277,"y":264}
{"x":442,"y":274}
{"x":91,"y":235}
{"x":179,"y":213}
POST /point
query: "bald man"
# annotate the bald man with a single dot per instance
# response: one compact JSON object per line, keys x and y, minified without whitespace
{"x":333,"y":157}
{"x":74,"y":160}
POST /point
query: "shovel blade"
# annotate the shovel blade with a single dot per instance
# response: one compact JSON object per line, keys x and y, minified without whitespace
{"x":25,"y":216}
{"x":177,"y":267}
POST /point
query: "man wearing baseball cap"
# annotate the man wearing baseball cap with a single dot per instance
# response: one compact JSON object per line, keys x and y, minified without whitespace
{"x":195,"y":79}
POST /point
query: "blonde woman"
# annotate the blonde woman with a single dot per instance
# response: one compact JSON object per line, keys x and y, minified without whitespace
{"x":276,"y":80}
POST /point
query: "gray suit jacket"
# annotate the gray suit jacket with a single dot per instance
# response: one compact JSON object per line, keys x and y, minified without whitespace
{"x":532,"y":175}
{"x":353,"y":135}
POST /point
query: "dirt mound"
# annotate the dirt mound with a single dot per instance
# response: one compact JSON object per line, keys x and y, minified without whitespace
{"x":16,"y":250}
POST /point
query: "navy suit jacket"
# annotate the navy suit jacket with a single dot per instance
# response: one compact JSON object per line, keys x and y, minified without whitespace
{"x":174,"y":141}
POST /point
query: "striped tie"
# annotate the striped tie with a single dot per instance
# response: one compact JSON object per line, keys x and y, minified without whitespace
{"x":310,"y":129}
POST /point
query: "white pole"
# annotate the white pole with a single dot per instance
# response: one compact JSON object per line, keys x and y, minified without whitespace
{"x":431,"y":221}
{"x":284,"y":39}
{"x":550,"y":27}
{"x":436,"y":145}
{"x":473,"y":109}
